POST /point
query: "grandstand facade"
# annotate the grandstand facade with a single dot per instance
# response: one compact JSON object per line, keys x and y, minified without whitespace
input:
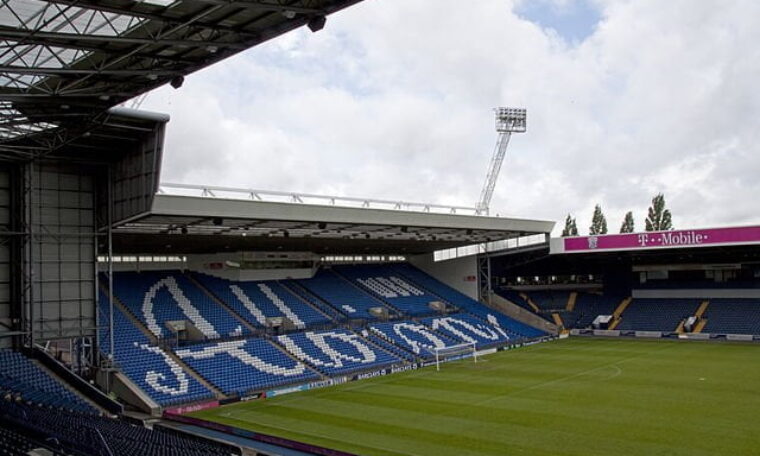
{"x":699,"y":283}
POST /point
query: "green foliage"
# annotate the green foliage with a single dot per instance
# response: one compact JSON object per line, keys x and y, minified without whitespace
{"x":628,"y":225}
{"x":598,"y":222}
{"x":658,"y":218}
{"x":571,"y":229}
{"x":578,"y":396}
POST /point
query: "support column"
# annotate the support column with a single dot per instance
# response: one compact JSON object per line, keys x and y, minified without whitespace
{"x":484,"y":277}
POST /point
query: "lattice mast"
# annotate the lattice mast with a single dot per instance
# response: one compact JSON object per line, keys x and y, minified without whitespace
{"x":508,"y":121}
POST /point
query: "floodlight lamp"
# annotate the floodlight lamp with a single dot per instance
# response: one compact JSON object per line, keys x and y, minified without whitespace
{"x":511,"y":120}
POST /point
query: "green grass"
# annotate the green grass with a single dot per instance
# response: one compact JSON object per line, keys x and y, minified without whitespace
{"x":569,"y":397}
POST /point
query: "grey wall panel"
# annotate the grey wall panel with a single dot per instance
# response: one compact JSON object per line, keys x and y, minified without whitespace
{"x":5,"y":301}
{"x":63,"y":248}
{"x":135,"y":178}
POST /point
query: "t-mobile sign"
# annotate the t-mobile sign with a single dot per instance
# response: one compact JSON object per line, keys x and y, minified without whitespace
{"x":664,"y":239}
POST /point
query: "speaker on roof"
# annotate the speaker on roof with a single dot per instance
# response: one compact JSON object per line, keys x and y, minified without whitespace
{"x":316,"y":23}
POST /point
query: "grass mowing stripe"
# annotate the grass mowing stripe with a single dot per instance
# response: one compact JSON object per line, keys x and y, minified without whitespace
{"x":571,"y":397}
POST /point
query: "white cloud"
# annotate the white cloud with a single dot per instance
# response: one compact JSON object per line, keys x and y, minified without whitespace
{"x":392,"y":100}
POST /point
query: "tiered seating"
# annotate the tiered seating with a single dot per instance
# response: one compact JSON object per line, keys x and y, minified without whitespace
{"x":236,"y":365}
{"x":21,"y":378}
{"x":512,"y":327}
{"x":550,"y":300}
{"x":514,"y":297}
{"x":387,"y":345}
{"x":588,"y":306}
{"x":341,"y":295}
{"x":157,"y":297}
{"x":467,"y":328}
{"x":149,"y":367}
{"x":733,"y":316}
{"x":390,"y":287}
{"x":336,"y":352}
{"x":414,"y":337}
{"x":81,"y":434}
{"x":14,"y":444}
{"x":299,"y":290}
{"x":656,"y":314}
{"x":242,"y":366}
{"x":255,"y":301}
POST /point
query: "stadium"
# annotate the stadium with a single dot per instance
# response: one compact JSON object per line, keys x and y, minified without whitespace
{"x":139,"y":317}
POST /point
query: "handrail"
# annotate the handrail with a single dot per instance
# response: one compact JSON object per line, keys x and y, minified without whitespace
{"x":212,"y":191}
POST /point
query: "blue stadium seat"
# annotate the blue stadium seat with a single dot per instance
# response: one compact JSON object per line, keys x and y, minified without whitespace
{"x":336,"y":352}
{"x":243,"y":366}
{"x":553,"y":300}
{"x":465,"y":327}
{"x":414,"y":337}
{"x":733,"y":316}
{"x":255,"y":301}
{"x":588,"y":306}
{"x":149,"y":367}
{"x":157,"y":297}
{"x":510,"y":326}
{"x":657,"y":314}
{"x":82,"y":434}
{"x":23,"y":379}
{"x":390,"y":287}
{"x":340,"y":294}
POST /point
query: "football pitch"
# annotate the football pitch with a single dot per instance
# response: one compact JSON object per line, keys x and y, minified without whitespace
{"x":569,"y":397}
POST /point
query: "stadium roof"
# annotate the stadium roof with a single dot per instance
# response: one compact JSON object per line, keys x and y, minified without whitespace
{"x":64,"y":63}
{"x":188,"y":224}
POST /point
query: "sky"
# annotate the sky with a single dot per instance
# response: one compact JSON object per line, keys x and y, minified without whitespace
{"x":393,"y":99}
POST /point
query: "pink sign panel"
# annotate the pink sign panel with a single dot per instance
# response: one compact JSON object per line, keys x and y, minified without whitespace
{"x":665,"y":239}
{"x":181,"y":410}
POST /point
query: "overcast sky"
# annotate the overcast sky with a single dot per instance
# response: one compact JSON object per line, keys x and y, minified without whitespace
{"x":394,"y":98}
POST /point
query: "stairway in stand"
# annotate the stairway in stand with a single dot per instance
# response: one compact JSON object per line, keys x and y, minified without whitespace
{"x":617,"y":314}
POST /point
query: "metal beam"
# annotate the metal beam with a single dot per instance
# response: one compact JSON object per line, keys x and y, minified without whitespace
{"x":266,"y":6}
{"x":64,"y":39}
{"x":155,"y":18}
{"x":77,"y":71}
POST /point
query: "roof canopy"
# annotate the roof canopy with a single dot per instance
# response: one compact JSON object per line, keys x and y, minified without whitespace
{"x":63,"y":63}
{"x":186,"y":224}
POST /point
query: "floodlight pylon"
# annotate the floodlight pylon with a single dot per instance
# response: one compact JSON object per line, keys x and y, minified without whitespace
{"x":508,"y":121}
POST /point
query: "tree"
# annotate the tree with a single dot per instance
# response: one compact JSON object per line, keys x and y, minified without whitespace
{"x":598,"y":222}
{"x":571,"y":229}
{"x":658,"y":218}
{"x":627,"y":226}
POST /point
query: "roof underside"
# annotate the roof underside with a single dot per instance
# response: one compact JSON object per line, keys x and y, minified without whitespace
{"x":63,"y":63}
{"x":181,"y":224}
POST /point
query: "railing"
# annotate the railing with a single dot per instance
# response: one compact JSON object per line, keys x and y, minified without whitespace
{"x":209,"y":191}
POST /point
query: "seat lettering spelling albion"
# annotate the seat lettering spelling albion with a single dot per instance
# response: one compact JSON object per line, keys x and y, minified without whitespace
{"x":324,"y":350}
{"x":155,"y":379}
{"x":235,"y":350}
{"x":403,"y":330}
{"x":467,"y":331}
{"x":187,"y":307}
